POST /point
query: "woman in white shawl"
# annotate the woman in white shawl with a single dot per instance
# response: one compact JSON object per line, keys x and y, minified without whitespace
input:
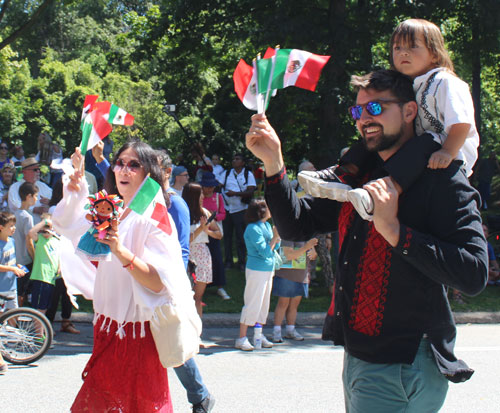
{"x":146,"y":270}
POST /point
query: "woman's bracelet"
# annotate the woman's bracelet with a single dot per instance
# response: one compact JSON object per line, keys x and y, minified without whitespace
{"x":130,"y":264}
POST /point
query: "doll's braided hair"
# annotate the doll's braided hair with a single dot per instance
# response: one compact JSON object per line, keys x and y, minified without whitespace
{"x":100,"y":196}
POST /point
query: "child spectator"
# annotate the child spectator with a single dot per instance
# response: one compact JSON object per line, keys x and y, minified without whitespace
{"x":8,"y":269}
{"x":46,"y":263}
{"x":60,"y":292}
{"x":28,"y":193}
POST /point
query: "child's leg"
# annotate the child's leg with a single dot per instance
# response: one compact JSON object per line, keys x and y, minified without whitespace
{"x":404,"y":168}
{"x":408,"y":163}
{"x":334,"y":181}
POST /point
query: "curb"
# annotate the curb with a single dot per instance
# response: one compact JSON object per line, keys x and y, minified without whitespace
{"x":303,"y":319}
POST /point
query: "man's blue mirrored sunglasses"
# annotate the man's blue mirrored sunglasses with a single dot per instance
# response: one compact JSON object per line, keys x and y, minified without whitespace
{"x":373,"y":108}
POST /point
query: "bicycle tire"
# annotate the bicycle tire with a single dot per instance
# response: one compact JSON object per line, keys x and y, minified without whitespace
{"x":25,"y":335}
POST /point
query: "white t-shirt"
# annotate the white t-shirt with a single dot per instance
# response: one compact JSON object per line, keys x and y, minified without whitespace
{"x":236,"y":182}
{"x":445,"y":100}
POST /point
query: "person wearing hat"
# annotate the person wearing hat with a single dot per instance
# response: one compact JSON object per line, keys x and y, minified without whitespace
{"x":7,"y":174}
{"x":31,"y":173}
{"x":180,"y":178}
{"x":213,"y":202}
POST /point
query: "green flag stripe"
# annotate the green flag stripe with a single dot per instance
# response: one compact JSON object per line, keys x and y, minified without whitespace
{"x":113,"y":110}
{"x":265,"y":68}
{"x":86,"y":131}
{"x":145,"y":196}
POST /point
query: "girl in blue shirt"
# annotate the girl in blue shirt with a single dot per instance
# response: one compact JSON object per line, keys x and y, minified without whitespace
{"x":261,"y":241}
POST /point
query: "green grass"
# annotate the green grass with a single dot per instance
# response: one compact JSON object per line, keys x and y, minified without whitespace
{"x":488,"y":300}
{"x":318,"y":301}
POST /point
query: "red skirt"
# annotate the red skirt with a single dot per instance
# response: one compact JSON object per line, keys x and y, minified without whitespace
{"x":123,"y":375}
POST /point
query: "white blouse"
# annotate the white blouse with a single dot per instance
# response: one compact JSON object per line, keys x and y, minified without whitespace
{"x":116,"y":294}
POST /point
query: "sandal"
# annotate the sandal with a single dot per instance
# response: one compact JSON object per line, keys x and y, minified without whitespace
{"x":68,"y":327}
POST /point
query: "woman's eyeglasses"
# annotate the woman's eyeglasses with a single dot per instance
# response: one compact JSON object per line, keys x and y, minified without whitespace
{"x":4,"y":147}
{"x":374,"y":108}
{"x":131,"y":166}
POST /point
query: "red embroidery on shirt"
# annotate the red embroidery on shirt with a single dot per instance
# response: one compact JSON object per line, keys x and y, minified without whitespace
{"x":345,"y":220}
{"x":277,"y":178}
{"x":370,"y":292}
{"x":408,"y":237}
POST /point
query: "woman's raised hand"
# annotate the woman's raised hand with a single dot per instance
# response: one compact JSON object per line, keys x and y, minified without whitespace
{"x":75,"y":178}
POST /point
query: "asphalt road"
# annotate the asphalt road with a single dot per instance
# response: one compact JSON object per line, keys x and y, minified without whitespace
{"x":292,"y":377}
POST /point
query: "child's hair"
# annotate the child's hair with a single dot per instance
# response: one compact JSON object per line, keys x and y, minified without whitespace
{"x":6,"y":217}
{"x":191,"y":194}
{"x":26,"y":189}
{"x":407,"y":31}
{"x":256,"y":210}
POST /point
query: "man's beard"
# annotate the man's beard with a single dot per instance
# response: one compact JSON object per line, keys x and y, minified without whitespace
{"x":385,"y":142}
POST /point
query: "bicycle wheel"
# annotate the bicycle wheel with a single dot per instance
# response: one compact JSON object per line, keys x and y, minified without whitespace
{"x":25,"y":335}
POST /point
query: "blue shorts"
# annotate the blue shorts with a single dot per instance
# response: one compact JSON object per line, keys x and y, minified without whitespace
{"x":286,"y":288}
{"x":41,"y":294}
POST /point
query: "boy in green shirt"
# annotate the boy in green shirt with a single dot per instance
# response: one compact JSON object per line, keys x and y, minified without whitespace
{"x":45,"y":255}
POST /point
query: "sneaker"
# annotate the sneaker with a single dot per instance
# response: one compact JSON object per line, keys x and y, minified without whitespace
{"x":277,"y":337}
{"x":243,"y":344}
{"x":362,"y":203}
{"x":205,"y":406}
{"x":330,"y":183}
{"x":3,"y":368}
{"x":294,"y":335}
{"x":265,"y":342}
{"x":223,"y":294}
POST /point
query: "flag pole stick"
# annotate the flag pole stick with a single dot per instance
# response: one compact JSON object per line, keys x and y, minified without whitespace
{"x":259,"y":97}
{"x":271,"y":77}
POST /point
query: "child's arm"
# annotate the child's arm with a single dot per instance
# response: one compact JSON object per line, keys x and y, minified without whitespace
{"x":33,"y":236}
{"x":454,"y":141}
{"x":18,"y":272}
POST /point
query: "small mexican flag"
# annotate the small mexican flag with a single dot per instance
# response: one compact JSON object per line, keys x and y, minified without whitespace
{"x":245,"y":79}
{"x":88,"y":105}
{"x":94,"y":129}
{"x":113,"y":114}
{"x":292,"y":67}
{"x":149,"y":201}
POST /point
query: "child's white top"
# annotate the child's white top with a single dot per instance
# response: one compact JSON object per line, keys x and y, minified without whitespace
{"x":445,"y":100}
{"x":116,"y":294}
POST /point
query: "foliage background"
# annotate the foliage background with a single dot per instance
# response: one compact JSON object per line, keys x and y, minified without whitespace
{"x":142,"y":54}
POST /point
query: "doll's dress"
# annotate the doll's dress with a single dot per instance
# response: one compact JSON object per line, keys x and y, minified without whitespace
{"x":89,"y":248}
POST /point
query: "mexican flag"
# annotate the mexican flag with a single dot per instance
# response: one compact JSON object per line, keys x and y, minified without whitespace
{"x":291,"y":67}
{"x":113,"y":114}
{"x":149,"y":201}
{"x":94,"y":128}
{"x":88,"y":104}
{"x":245,"y":79}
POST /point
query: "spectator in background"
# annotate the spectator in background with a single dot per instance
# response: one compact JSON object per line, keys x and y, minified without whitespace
{"x":180,"y":177}
{"x":237,"y":190}
{"x":31,"y":173}
{"x":188,"y":374}
{"x":60,"y":292}
{"x":212,"y":201}
{"x":200,"y":230}
{"x":217,"y":169}
{"x":7,"y":174}
{"x":494,"y":268}
{"x":261,"y":241}
{"x":4,"y":154}
{"x":291,"y":283}
{"x":17,"y":155}
{"x":487,"y":169}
